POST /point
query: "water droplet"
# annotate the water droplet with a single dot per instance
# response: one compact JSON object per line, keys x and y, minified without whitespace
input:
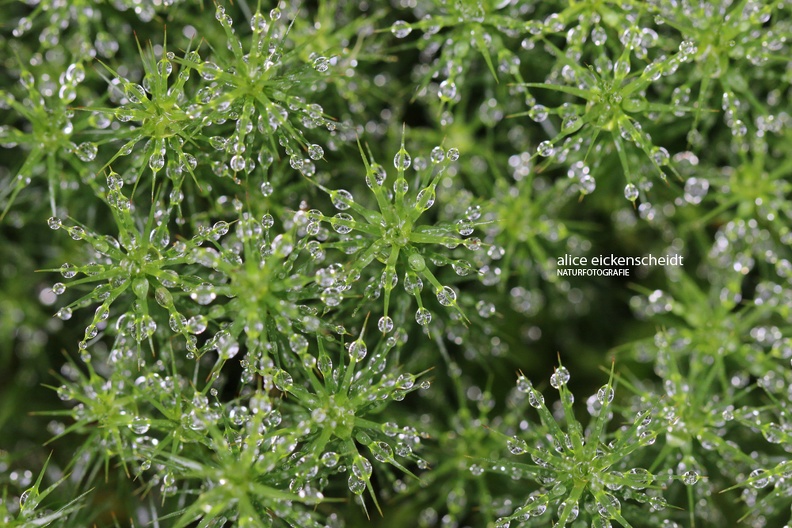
{"x":331,"y":296}
{"x":68,"y":271}
{"x":447,"y":90}
{"x":156,"y":161}
{"x":559,"y":378}
{"x":639,"y":478}
{"x":357,"y":350}
{"x":538,"y":113}
{"x":321,"y":64}
{"x":64,"y":314}
{"x":464,"y":227}
{"x":330,"y":459}
{"x":140,"y":425}
{"x":164,"y":67}
{"x":416,"y":262}
{"x":316,"y":152}
{"x":237,"y":163}
{"x":54,"y":223}
{"x":385,"y":324}
{"x":258,"y":23}
{"x":267,"y":221}
{"x":196,"y":324}
{"x":695,"y":190}
{"x":356,"y":485}
{"x":423,"y":316}
{"x":535,"y":398}
{"x":145,"y":327}
{"x":340,"y":223}
{"x":400,"y":29}
{"x":86,"y":151}
{"x":605,"y":394}
{"x":29,"y":499}
{"x":58,"y":288}
{"x":283,"y":381}
{"x":545,"y":149}
{"x":402,"y":160}
{"x":453,"y":154}
{"x":226,"y":346}
{"x":524,"y":384}
{"x":690,"y":477}
{"x":587,"y":184}
{"x":341,"y":199}
{"x":759,"y":478}
{"x":631,"y":192}
{"x":446,"y":296}
{"x":203,"y":294}
{"x":425,"y":198}
{"x":516,"y":446}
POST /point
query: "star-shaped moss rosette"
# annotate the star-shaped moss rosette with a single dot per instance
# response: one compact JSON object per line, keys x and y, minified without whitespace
{"x":393,"y":235}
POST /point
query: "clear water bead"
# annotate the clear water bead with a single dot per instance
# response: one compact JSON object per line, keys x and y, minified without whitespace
{"x":140,"y":425}
{"x":538,"y":113}
{"x":385,"y":324}
{"x":446,"y":296}
{"x":464,"y":227}
{"x":54,"y":223}
{"x":695,"y":190}
{"x":357,"y":350}
{"x":631,"y":192}
{"x":559,"y":378}
{"x":267,"y":221}
{"x":524,"y":384}
{"x":68,"y":271}
{"x":690,"y":478}
{"x":342,"y":199}
{"x":545,"y":149}
{"x":605,"y":394}
{"x":587,"y":184}
{"x":356,"y":485}
{"x":516,"y":446}
{"x":86,"y":151}
{"x":321,"y":64}
{"x":535,"y":398}
{"x":759,"y":478}
{"x":400,"y":29}
{"x":402,"y":160}
{"x":447,"y":90}
{"x":423,"y":316}
{"x":316,"y":152}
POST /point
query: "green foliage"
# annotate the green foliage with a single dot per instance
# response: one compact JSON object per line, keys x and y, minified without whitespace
{"x":222,"y":304}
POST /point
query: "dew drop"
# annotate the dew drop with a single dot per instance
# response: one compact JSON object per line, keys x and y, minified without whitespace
{"x":402,"y":160}
{"x":423,"y":316}
{"x":605,"y":394}
{"x":631,"y":192}
{"x":400,"y":29}
{"x":447,"y":90}
{"x":86,"y":151}
{"x":385,"y":324}
{"x":559,"y":378}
